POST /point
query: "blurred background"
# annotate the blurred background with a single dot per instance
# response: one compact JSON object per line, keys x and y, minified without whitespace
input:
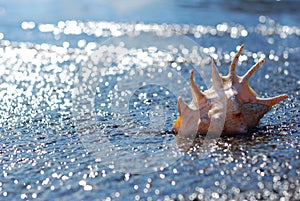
{"x":247,"y":12}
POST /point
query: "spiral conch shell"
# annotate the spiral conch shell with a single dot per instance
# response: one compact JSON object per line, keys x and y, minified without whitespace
{"x":230,"y":103}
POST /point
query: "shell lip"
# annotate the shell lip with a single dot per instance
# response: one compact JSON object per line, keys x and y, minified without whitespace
{"x":177,"y":122}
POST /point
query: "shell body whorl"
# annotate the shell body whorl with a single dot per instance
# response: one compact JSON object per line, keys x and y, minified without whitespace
{"x":230,"y":102}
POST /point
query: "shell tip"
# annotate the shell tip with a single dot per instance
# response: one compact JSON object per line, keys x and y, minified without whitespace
{"x":272,"y":101}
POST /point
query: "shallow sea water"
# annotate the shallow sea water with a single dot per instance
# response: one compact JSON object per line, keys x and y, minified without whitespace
{"x":87,"y":102}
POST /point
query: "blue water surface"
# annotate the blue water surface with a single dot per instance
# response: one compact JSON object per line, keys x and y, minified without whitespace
{"x":89,"y":94}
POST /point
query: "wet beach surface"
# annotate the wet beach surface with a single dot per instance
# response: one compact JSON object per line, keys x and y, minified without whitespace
{"x":88,"y":98}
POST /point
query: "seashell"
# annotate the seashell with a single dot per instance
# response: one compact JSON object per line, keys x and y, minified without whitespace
{"x":230,"y":103}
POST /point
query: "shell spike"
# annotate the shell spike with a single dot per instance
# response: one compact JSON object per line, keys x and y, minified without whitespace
{"x":179,"y":104}
{"x":232,"y":69}
{"x":251,"y":71}
{"x":216,"y":78}
{"x":198,"y":96}
{"x":272,"y":100}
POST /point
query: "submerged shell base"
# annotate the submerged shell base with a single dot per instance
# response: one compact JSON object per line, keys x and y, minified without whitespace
{"x":230,"y":103}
